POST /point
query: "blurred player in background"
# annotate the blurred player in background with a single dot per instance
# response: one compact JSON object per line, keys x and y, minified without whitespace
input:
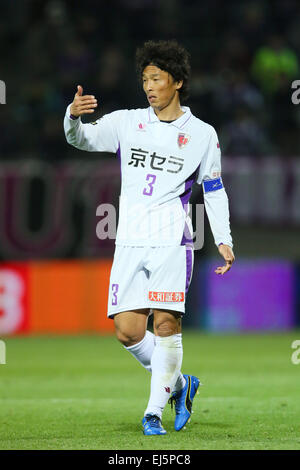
{"x":163,"y":150}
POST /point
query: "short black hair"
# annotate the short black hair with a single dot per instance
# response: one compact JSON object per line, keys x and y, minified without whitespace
{"x":168,"y":56}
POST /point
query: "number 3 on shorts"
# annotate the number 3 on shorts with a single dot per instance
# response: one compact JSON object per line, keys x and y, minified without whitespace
{"x":150,"y":185}
{"x":115,"y":289}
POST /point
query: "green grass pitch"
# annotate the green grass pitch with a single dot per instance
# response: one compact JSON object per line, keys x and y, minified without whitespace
{"x":88,"y":392}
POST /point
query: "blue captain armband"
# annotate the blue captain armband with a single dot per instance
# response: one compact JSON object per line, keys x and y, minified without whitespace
{"x":212,"y":185}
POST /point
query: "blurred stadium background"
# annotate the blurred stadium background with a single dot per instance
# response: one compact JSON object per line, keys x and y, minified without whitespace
{"x":54,"y":271}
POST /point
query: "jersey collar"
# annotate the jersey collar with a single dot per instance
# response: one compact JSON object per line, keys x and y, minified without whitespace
{"x":180,"y":122}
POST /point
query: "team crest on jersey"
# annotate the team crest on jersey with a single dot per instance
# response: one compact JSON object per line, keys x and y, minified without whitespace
{"x":183,"y":139}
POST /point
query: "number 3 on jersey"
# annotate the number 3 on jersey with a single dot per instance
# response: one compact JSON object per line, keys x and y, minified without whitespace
{"x":151,"y":180}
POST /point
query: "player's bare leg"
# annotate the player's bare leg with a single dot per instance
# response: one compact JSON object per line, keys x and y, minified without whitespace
{"x":166,"y":322}
{"x":131,"y":331}
{"x":131,"y":326}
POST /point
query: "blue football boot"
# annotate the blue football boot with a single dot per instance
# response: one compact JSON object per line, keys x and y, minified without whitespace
{"x":183,"y":401}
{"x":152,"y":426}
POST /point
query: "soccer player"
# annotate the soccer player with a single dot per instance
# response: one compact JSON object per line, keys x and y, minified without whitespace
{"x":163,"y":149}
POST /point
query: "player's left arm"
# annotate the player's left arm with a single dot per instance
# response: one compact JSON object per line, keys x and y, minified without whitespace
{"x":216,"y":201}
{"x":227,"y":253}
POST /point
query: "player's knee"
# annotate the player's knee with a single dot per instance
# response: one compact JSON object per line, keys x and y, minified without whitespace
{"x":130,"y":327}
{"x":166,"y":323}
{"x":128,"y":338}
{"x":165,"y":328}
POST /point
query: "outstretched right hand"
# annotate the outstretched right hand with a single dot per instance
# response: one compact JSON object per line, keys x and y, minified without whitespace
{"x":82,"y":104}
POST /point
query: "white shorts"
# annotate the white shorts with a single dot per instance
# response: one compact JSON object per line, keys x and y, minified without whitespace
{"x":150,"y":277}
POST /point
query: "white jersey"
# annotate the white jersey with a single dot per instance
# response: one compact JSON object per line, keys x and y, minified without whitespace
{"x":159,"y":164}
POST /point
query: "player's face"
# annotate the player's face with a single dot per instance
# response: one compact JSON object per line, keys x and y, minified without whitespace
{"x":159,"y":87}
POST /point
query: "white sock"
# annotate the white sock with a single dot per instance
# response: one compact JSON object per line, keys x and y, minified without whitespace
{"x":143,"y":350}
{"x":180,"y":383}
{"x":166,"y":364}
